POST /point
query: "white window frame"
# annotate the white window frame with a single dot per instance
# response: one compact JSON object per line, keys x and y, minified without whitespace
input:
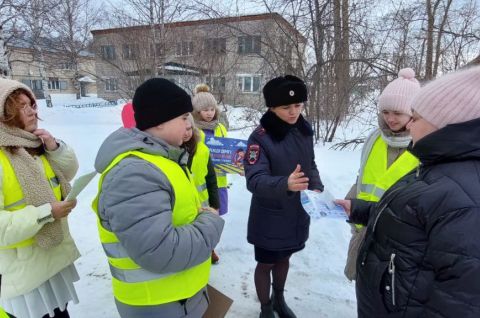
{"x":249,"y":44}
{"x":111,"y":84}
{"x":53,"y":83}
{"x":242,"y":80}
{"x":108,"y":52}
{"x":184,"y":48}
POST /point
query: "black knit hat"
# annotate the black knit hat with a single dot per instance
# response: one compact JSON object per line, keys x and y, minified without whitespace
{"x":159,"y":100}
{"x":284,"y":90}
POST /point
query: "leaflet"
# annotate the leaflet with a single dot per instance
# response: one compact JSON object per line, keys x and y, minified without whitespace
{"x":79,"y":184}
{"x":319,"y":205}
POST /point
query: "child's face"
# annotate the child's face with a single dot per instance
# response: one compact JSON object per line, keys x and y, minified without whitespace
{"x":288,"y":113}
{"x":396,"y":121}
{"x":208,"y":114}
{"x":174,"y":130}
{"x":188,"y":132}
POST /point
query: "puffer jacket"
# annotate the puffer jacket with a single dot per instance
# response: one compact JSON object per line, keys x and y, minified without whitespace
{"x":136,"y":203}
{"x":26,"y":268}
{"x":421,"y":255}
{"x":277,"y":219}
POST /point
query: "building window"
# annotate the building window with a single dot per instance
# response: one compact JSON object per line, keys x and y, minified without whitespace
{"x":66,"y":66}
{"x":53,"y":83}
{"x":111,"y":84}
{"x":33,"y":84}
{"x":108,"y":52}
{"x":249,"y":44}
{"x":130,"y":51}
{"x":216,"y":45}
{"x":184,"y":48}
{"x":217,"y":83}
{"x":249,"y":83}
{"x":156,"y":49}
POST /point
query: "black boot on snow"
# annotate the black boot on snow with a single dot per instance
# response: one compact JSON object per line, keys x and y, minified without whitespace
{"x":267,"y":311}
{"x":280,"y":306}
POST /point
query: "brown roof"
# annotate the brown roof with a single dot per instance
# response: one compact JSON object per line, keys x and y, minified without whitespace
{"x":252,"y":17}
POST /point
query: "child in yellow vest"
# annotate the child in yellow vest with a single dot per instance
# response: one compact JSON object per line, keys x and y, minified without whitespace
{"x":207,"y":118}
{"x":385,"y":158}
{"x":157,"y":238}
{"x":201,"y":166}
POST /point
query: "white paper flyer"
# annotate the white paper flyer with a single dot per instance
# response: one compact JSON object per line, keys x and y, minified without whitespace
{"x":79,"y":184}
{"x":319,"y":205}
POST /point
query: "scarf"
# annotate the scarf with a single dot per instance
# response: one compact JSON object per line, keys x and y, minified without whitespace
{"x":394,"y":139}
{"x":210,"y":125}
{"x":36,"y":188}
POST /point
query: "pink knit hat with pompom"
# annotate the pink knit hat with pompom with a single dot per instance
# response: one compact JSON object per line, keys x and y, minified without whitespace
{"x":397,"y":96}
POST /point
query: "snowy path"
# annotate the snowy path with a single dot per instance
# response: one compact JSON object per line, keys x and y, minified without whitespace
{"x":315,"y":287}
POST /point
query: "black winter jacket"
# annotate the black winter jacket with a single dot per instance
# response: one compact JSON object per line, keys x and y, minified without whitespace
{"x":421,"y":255}
{"x":277,"y":219}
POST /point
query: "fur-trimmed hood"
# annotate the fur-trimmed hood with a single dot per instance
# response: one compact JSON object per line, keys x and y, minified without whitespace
{"x":278,"y":129}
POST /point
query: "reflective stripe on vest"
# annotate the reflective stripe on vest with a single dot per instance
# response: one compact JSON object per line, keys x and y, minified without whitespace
{"x":200,"y":171}
{"x":376,"y":178}
{"x":14,"y":200}
{"x":134,"y":285}
{"x":219,"y":131}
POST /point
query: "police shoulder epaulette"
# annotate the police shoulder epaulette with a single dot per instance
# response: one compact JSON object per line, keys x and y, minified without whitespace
{"x":260,"y":131}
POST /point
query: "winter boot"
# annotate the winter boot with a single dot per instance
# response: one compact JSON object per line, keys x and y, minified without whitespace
{"x":215,"y":258}
{"x":267,"y":311}
{"x":280,"y":306}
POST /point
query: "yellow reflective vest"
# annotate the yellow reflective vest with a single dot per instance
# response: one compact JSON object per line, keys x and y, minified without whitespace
{"x":3,"y":314}
{"x":219,"y":131}
{"x":135,"y":286}
{"x":13,"y":198}
{"x":376,"y":178}
{"x":199,"y":171}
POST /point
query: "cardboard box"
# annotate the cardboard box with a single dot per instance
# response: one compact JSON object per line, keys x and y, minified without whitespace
{"x":219,"y":304}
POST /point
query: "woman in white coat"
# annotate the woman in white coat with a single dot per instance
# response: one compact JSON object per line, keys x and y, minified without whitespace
{"x":36,"y":249}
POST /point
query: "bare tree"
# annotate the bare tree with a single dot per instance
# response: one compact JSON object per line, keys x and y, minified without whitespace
{"x":10,"y":11}
{"x":35,"y":17}
{"x":72,"y":22}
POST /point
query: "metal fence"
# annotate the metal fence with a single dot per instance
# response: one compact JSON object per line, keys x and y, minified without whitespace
{"x":91,"y":105}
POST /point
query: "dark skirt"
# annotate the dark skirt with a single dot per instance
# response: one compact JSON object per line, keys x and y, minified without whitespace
{"x":271,"y":257}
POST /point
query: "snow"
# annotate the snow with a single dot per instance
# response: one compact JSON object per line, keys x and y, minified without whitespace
{"x":316,"y":286}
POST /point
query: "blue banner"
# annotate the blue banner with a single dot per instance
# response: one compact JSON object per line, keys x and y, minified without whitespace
{"x":227,"y":154}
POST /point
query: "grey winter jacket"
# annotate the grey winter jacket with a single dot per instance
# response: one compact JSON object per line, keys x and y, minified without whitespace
{"x":136,"y":203}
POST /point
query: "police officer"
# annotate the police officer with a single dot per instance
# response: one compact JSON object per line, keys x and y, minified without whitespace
{"x":279,"y":163}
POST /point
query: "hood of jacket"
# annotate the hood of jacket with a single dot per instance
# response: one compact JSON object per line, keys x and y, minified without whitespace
{"x":123,"y":140}
{"x":456,"y":142}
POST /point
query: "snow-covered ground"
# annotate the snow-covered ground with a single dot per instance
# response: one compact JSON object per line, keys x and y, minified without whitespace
{"x":315,"y":287}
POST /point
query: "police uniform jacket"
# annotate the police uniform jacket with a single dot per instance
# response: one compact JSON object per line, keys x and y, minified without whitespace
{"x":277,"y":220}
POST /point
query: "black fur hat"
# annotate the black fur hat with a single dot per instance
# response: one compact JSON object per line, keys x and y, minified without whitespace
{"x":284,"y":90}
